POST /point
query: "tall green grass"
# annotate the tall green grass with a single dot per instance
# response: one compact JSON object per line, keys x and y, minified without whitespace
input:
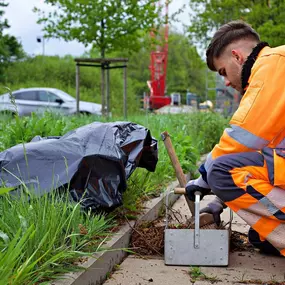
{"x":43,"y":237}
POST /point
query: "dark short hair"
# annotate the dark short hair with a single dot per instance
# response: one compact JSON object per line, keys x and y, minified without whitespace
{"x":226,"y":35}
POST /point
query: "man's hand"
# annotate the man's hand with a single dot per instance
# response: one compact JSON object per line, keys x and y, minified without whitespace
{"x":197,"y":185}
{"x":215,"y":208}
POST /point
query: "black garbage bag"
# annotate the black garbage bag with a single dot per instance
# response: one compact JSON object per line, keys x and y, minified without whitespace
{"x":93,"y":162}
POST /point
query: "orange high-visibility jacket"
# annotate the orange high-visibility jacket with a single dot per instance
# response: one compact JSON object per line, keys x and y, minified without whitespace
{"x":260,"y":118}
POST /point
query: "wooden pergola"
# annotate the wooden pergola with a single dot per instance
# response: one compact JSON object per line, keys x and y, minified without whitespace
{"x":106,"y":64}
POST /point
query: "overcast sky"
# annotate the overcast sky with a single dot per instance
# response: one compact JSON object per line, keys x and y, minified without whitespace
{"x":23,"y":22}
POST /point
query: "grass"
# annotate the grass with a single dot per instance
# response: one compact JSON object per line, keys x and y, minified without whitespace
{"x":43,"y":237}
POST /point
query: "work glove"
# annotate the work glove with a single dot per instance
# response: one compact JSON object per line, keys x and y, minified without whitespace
{"x":197,"y":185}
{"x":215,"y":208}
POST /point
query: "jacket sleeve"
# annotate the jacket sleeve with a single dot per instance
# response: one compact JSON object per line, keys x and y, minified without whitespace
{"x":261,"y":113}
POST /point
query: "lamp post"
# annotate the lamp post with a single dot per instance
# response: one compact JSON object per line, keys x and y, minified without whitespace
{"x":42,"y":39}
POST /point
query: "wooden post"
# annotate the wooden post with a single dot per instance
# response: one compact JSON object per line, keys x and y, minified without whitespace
{"x":108,"y":91}
{"x":103,"y":88}
{"x":77,"y":87}
{"x":125,"y":93}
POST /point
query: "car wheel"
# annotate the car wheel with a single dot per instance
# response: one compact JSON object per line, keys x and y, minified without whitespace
{"x":84,"y":113}
{"x":8,"y":114}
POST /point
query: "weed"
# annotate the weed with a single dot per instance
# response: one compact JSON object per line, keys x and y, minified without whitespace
{"x":109,"y":274}
{"x":197,"y":275}
{"x":117,"y":267}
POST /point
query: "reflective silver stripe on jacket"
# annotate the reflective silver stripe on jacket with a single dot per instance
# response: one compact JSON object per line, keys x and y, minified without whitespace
{"x":281,"y":144}
{"x":246,"y":138}
{"x":243,"y":137}
{"x":208,"y":162}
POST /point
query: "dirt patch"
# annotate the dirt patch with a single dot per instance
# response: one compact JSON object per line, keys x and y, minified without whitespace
{"x":148,"y":239}
{"x":239,"y":242}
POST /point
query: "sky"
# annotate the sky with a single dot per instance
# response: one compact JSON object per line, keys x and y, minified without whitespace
{"x":24,"y":27}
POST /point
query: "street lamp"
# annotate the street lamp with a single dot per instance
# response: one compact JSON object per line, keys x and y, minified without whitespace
{"x":42,"y":39}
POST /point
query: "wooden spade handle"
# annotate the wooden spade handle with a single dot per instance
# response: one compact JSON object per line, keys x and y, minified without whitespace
{"x":174,"y":160}
{"x":205,"y":218}
{"x":177,"y":167}
{"x":179,"y":191}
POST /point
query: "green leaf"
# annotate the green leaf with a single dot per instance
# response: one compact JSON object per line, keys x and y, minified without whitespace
{"x":5,"y":190}
{"x":107,"y":25}
{"x":266,"y":17}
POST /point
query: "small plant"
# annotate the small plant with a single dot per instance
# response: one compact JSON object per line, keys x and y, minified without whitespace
{"x":117,"y":267}
{"x":197,"y":275}
{"x":12,"y":100}
{"x":110,"y":273}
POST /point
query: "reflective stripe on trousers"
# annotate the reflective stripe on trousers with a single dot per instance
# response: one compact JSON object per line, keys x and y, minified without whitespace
{"x":244,"y":181}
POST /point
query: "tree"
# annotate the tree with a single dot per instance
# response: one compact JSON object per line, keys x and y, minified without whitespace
{"x":106,"y":24}
{"x":185,"y":69}
{"x":265,"y":16}
{"x":10,"y":48}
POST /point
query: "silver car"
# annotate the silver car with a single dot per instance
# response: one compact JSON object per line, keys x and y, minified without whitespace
{"x":38,"y":100}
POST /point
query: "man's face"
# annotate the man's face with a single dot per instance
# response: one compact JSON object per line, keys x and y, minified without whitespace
{"x":229,"y":65}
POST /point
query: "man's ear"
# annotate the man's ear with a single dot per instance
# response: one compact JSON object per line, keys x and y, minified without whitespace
{"x":238,"y":56}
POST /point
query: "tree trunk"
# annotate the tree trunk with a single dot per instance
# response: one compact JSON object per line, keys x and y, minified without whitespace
{"x":102,"y":69}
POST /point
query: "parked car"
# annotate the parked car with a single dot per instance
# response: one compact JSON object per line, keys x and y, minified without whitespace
{"x":38,"y":100}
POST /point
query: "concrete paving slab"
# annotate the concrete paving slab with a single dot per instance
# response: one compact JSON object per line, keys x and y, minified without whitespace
{"x":244,"y":267}
{"x":134,"y":271}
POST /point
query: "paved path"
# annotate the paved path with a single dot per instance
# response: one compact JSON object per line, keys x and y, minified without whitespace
{"x":244,"y":267}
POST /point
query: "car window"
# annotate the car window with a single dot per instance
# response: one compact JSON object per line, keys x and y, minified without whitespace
{"x":64,"y":96}
{"x":27,"y":95}
{"x":47,"y":96}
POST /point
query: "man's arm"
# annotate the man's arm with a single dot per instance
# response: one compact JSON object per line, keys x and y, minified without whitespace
{"x":260,"y":116}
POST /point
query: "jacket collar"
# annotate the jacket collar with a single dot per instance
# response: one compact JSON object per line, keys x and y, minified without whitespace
{"x":246,"y":68}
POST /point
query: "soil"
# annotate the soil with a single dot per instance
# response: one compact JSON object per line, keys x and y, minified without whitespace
{"x":239,"y":242}
{"x":148,"y":239}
